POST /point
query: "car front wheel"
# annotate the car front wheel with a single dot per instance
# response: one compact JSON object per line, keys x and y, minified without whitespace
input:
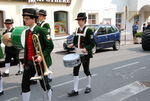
{"x":116,"y":46}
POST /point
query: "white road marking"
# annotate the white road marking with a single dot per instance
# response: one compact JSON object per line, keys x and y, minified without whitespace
{"x":61,"y":84}
{"x":58,"y":85}
{"x":64,"y":83}
{"x":126,"y":65}
{"x":12,"y":99}
{"x":12,"y":87}
{"x":136,"y":70}
{"x":122,"y":93}
{"x":130,"y":75}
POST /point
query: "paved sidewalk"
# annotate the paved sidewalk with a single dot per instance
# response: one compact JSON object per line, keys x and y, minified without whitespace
{"x":58,"y":44}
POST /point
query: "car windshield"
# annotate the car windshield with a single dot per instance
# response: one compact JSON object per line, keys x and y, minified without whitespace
{"x":93,"y":27}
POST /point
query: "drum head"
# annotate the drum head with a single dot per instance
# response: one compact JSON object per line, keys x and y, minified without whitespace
{"x":71,"y":57}
{"x":23,"y":38}
{"x":71,"y":60}
{"x":5,"y":39}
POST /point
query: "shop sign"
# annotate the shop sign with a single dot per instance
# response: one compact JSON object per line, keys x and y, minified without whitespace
{"x":51,"y":1}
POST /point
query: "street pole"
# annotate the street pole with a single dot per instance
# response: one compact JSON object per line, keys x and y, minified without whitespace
{"x":125,"y":38}
{"x":125,"y":23}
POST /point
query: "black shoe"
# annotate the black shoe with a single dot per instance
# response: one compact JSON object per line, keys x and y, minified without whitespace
{"x":72,"y":93}
{"x":19,"y":72}
{"x":5,"y":75}
{"x":33,"y":82}
{"x":49,"y":80}
{"x":1,"y":93}
{"x":87,"y":90}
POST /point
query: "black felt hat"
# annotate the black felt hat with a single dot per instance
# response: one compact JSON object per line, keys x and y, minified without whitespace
{"x":30,"y":12}
{"x":81,"y":16}
{"x":42,"y":12}
{"x":9,"y":21}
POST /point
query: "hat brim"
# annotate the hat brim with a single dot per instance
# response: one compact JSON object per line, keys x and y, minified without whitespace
{"x":42,"y":14}
{"x":81,"y":18}
{"x":8,"y":23}
{"x":30,"y":15}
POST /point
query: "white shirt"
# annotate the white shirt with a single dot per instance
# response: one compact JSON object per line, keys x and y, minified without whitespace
{"x":32,"y":28}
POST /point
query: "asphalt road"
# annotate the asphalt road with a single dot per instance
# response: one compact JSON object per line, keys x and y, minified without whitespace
{"x":116,"y":76}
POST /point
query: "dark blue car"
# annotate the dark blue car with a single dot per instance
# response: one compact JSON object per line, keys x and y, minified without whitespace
{"x":105,"y":36}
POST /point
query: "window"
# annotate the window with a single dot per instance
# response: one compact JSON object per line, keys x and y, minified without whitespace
{"x":136,"y":18}
{"x":115,"y":28}
{"x":118,"y":19}
{"x":92,"y":19}
{"x":109,"y":29}
{"x":61,"y":23}
{"x":93,"y":27}
{"x":101,"y":30}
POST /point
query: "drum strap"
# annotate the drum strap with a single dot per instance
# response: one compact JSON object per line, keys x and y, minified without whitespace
{"x":10,"y":30}
{"x":42,"y":24}
{"x":81,"y":34}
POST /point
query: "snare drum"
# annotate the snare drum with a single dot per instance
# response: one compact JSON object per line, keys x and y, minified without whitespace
{"x":5,"y":39}
{"x":71,"y":60}
{"x":18,"y":37}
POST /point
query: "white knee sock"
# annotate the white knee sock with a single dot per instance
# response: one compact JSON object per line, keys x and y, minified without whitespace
{"x":76,"y":83}
{"x":49,"y":95}
{"x":50,"y":75}
{"x":89,"y":81}
{"x":20,"y":66}
{"x":1,"y":83}
{"x":26,"y":96}
{"x":7,"y":66}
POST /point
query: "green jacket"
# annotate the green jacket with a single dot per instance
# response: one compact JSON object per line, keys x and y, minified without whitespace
{"x":46,"y":45}
{"x":46,"y":26}
{"x":87,"y":42}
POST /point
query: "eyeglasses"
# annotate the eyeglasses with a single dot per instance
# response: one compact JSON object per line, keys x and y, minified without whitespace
{"x":26,"y":19}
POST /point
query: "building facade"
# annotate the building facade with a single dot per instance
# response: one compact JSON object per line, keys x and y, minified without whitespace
{"x":117,"y":12}
{"x":61,"y":13}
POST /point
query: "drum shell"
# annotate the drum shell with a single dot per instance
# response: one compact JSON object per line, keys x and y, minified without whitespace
{"x":72,"y":62}
{"x":17,"y":35}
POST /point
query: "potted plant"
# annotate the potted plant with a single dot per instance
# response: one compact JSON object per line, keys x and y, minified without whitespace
{"x":138,"y":37}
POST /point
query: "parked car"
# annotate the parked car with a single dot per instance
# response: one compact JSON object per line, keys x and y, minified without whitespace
{"x":105,"y":36}
{"x":68,"y":41}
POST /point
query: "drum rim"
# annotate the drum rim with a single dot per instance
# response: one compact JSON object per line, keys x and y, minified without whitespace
{"x":76,"y":56}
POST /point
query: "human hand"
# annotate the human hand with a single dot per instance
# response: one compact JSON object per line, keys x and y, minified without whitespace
{"x":71,"y":46}
{"x":38,"y":59}
{"x":83,"y":50}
